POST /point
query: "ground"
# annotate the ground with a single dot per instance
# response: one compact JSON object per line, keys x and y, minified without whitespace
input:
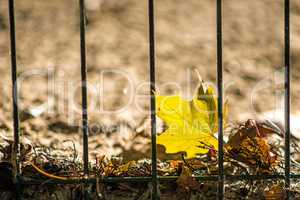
{"x":117,"y":57}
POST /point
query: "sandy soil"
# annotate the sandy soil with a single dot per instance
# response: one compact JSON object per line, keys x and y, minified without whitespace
{"x":117,"y":45}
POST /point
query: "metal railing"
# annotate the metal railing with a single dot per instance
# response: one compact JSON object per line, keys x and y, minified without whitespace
{"x":220,"y":178}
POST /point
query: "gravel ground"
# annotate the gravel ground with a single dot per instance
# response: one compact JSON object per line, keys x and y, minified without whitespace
{"x":117,"y":56}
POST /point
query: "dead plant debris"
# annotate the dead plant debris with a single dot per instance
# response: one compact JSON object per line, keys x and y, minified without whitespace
{"x":248,"y":151}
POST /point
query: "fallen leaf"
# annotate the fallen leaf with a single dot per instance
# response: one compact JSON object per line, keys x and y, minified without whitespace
{"x":276,"y":192}
{"x":248,"y":145}
{"x":191,"y":123}
{"x":186,"y":182}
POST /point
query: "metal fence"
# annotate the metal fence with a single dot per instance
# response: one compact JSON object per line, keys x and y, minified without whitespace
{"x":154,"y":178}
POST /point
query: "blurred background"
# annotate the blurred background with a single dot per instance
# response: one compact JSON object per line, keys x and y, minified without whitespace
{"x":48,"y":57}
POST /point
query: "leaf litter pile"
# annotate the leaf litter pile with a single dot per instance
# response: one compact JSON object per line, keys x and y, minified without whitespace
{"x":250,"y":148}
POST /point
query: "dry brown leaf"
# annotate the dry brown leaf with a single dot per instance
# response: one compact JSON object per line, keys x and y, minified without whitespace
{"x":276,"y":192}
{"x":186,"y":182}
{"x":249,"y":146}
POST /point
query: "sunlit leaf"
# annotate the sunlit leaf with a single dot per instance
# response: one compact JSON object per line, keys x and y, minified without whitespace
{"x":191,"y":123}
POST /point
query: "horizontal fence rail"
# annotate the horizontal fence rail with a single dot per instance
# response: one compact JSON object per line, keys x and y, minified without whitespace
{"x":154,"y":178}
{"x":213,"y":178}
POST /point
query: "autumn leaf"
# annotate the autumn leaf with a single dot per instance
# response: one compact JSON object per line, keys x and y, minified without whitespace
{"x":249,"y":145}
{"x":186,"y":182}
{"x":275,"y":192}
{"x":191,"y":123}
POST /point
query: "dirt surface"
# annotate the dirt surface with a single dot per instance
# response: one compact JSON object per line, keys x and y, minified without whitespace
{"x":117,"y":54}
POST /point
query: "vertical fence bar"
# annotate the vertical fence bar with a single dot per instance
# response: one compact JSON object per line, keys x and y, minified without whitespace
{"x":16,"y":151}
{"x":84,"y":88}
{"x":84,"y":94}
{"x":155,"y":192}
{"x":220,"y":100}
{"x":287,"y":94}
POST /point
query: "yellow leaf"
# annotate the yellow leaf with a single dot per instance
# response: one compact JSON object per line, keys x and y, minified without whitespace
{"x":191,"y":123}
